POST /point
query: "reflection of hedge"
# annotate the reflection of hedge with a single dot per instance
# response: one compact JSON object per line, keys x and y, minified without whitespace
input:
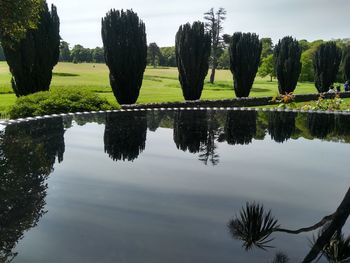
{"x":27,"y":155}
{"x":281,"y":125}
{"x":125,"y":135}
{"x":190,"y":130}
{"x":240,"y":127}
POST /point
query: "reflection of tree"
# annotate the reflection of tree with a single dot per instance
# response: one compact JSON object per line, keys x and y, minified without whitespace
{"x":27,"y":155}
{"x":281,"y":125}
{"x":208,"y":148}
{"x":125,"y":135}
{"x":240,"y":127}
{"x":154,"y":118}
{"x":254,"y":227}
{"x":190,"y":130}
{"x":320,"y":124}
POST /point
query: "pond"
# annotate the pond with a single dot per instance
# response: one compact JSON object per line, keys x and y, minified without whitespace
{"x":175,"y":186}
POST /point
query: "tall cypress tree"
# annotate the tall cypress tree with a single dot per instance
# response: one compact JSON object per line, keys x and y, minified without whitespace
{"x":192,"y":48}
{"x":287,"y":64}
{"x":326,"y":65}
{"x":125,"y":47}
{"x":32,"y":59}
{"x":245,"y":52}
{"x":346,"y":63}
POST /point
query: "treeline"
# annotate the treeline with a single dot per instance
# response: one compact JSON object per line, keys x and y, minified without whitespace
{"x":80,"y":54}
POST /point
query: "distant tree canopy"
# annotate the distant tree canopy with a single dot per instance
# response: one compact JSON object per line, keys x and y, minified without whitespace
{"x":168,"y":58}
{"x":267,"y":67}
{"x":17,"y":16}
{"x":153,"y":55}
{"x":64,"y":52}
{"x":267,"y":47}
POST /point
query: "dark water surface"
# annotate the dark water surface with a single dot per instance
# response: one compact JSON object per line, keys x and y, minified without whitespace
{"x":163,"y":186}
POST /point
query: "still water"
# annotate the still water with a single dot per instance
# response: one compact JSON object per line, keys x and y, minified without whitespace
{"x":172,"y":186}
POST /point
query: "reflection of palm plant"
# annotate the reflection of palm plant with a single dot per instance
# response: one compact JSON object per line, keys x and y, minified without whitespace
{"x":280,"y":258}
{"x":337,"y":250}
{"x":253,"y":226}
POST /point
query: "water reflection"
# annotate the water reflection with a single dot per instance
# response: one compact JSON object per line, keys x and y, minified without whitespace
{"x":190,"y":130}
{"x":240,"y":127}
{"x":254,"y":226}
{"x":125,"y":135}
{"x":320,"y":125}
{"x":27,"y":156}
{"x":281,"y":126}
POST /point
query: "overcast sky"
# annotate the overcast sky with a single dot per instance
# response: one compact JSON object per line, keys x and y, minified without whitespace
{"x":303,"y":19}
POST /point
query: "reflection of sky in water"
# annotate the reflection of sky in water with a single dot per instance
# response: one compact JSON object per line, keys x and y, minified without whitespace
{"x":167,"y":206}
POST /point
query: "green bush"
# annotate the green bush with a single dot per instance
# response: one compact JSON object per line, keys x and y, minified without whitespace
{"x":58,"y":101}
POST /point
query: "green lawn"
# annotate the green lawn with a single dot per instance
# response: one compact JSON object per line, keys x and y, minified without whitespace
{"x":160,"y":85}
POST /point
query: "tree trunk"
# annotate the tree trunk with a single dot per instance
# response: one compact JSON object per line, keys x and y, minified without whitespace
{"x":212,"y":76}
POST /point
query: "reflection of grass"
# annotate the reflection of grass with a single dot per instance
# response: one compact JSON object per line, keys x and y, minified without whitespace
{"x":159,"y":85}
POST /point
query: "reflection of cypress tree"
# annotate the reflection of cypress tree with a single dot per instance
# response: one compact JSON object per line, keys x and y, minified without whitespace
{"x":342,"y":123}
{"x":320,"y":125}
{"x":125,"y":135}
{"x":240,"y":127}
{"x":190,"y":130}
{"x":281,"y":125}
{"x":208,"y":148}
{"x":27,"y":155}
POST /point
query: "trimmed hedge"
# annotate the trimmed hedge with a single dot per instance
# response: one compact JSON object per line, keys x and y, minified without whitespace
{"x":58,"y":101}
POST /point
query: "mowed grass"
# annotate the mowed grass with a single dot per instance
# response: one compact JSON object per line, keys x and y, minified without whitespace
{"x":159,"y":85}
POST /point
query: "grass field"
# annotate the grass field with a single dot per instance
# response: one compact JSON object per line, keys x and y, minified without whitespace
{"x":159,"y":85}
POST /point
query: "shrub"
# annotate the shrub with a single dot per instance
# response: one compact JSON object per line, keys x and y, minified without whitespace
{"x":58,"y":101}
{"x":245,"y":52}
{"x":125,"y":47}
{"x":193,"y":47}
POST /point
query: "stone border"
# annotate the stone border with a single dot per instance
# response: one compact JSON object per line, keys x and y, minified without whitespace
{"x":9,"y":122}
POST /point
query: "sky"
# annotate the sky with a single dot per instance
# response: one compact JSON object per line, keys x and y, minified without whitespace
{"x":302,"y":19}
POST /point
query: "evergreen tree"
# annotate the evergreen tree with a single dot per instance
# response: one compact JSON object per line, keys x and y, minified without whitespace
{"x":192,"y":55}
{"x":153,"y":54}
{"x":32,"y":60}
{"x":214,"y":22}
{"x":64,"y":52}
{"x":125,"y":46}
{"x":287,"y":64}
{"x":245,"y":53}
{"x":326,"y":65}
{"x":346,"y":63}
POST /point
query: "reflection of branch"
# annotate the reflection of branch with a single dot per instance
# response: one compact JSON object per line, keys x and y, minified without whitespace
{"x":339,"y":220}
{"x":307,"y":229}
